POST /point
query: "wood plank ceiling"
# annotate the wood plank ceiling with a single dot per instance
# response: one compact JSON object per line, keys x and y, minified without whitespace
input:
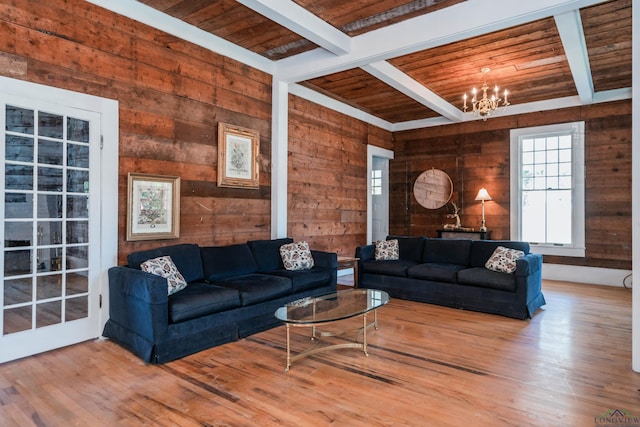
{"x":581,"y":50}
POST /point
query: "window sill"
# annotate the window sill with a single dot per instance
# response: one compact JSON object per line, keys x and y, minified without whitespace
{"x":558,"y":251}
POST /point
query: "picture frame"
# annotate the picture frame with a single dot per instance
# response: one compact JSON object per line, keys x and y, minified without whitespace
{"x":238,"y":152}
{"x":153,"y":207}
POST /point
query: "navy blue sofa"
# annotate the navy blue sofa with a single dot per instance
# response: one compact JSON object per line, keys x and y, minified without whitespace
{"x":233,"y":292}
{"x":452,"y":273}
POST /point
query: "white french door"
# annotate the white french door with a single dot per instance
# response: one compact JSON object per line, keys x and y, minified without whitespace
{"x":51,"y":249}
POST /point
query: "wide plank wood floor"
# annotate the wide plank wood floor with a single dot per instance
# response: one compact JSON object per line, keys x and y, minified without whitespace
{"x":427,"y":366}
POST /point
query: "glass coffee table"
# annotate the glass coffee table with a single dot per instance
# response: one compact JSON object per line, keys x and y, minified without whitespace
{"x":327,"y":309}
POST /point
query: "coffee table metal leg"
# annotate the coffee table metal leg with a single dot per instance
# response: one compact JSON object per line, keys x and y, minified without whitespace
{"x":288,"y":348}
{"x":364,"y":334}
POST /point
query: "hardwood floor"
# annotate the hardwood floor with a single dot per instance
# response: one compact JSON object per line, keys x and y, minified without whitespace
{"x":427,"y":366}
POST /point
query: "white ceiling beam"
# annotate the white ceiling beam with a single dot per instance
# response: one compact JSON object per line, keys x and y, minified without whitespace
{"x":164,"y":22}
{"x":299,"y":20}
{"x":423,"y":32}
{"x":402,"y":82}
{"x":569,"y":26}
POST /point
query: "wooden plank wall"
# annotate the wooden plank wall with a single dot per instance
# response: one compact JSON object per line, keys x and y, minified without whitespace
{"x":476,"y":154}
{"x":171,"y":94}
{"x":327,"y":176}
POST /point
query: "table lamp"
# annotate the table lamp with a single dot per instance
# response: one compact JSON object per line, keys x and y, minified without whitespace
{"x":483,"y":195}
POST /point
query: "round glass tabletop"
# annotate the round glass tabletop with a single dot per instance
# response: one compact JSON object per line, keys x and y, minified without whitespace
{"x":339,"y":305}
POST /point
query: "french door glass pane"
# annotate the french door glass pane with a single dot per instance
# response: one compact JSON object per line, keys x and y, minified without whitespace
{"x":77,"y":257}
{"x":18,"y":234}
{"x":49,"y":286}
{"x":18,"y":177}
{"x":19,"y":120}
{"x":17,"y":319}
{"x":77,"y":180}
{"x":77,"y":308}
{"x":49,"y":179}
{"x":78,"y":130}
{"x":18,"y":205}
{"x":49,"y":233}
{"x":77,"y":207}
{"x":50,"y":152}
{"x":78,"y":155}
{"x":50,"y":125}
{"x":77,"y":283}
{"x":18,"y":148}
{"x":49,"y":206}
{"x":17,"y":262}
{"x":18,"y":291}
{"x":48,"y":313}
{"x":78,"y":232}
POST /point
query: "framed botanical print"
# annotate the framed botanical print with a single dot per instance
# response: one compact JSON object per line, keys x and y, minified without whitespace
{"x":238,"y":151}
{"x":153,"y":207}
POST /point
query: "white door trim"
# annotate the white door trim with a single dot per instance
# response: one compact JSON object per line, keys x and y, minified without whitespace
{"x":108,"y":198}
{"x":373,"y":151}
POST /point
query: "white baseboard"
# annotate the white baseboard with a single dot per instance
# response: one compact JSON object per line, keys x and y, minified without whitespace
{"x":590,"y":275}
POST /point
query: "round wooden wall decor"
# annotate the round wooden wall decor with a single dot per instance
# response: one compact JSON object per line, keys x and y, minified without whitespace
{"x":433,"y":189}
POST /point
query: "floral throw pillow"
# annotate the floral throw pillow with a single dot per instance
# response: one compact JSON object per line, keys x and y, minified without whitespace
{"x":164,"y":267}
{"x":296,"y":256}
{"x":504,"y":260}
{"x":387,"y":250}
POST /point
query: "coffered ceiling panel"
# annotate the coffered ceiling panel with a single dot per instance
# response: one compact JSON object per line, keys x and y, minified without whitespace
{"x":359,"y":89}
{"x":236,"y":23}
{"x":528,"y":60}
{"x":357,"y":17}
{"x":607,"y":29}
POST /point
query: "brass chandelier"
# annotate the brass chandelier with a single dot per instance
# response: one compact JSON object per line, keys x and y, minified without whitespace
{"x":485,"y":106}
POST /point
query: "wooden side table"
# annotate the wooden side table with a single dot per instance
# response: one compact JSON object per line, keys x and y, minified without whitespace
{"x":345,"y":262}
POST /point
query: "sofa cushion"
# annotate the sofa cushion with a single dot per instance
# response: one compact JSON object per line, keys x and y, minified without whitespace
{"x":164,"y":267}
{"x":303,"y":280}
{"x":256,"y":287}
{"x":410,"y":247}
{"x":504,"y":260}
{"x":296,"y":256}
{"x":447,"y":251}
{"x":481,"y":250}
{"x":201,"y":299}
{"x":436,"y":271}
{"x":480,"y":276}
{"x":220,"y":262}
{"x":267,"y":253}
{"x":388,"y":268}
{"x":186,"y":257}
{"x":387,"y":250}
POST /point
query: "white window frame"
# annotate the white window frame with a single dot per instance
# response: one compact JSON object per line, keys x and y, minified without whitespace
{"x":577,"y":248}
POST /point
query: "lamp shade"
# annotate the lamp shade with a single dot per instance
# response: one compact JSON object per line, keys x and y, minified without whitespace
{"x":483,"y":194}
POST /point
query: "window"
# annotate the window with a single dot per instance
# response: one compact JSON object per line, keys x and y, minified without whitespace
{"x":547,"y":188}
{"x":376,"y":182}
